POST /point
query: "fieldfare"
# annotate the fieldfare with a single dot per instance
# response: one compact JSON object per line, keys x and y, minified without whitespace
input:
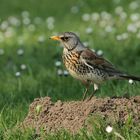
{"x":85,"y":65}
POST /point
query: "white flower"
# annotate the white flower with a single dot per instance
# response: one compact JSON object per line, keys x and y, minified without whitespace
{"x":9,"y":32}
{"x":125,"y":36}
{"x":4,"y":25}
{"x":86,"y":17}
{"x":31,"y":27}
{"x":118,"y":10}
{"x":123,"y":16}
{"x":95,"y":16}
{"x":65,"y":72}
{"x":105,"y":15}
{"x":108,"y":29}
{"x":23,"y":66}
{"x":58,"y":63}
{"x":74,"y":9}
{"x":59,"y":72}
{"x":26,"y":21}
{"x":122,"y":36}
{"x":99,"y":52}
{"x":18,"y":74}
{"x":41,"y":38}
{"x":50,"y":20}
{"x":134,"y":17}
{"x":25,"y":14}
{"x":14,"y":21}
{"x":86,"y":44}
{"x":50,"y":23}
{"x":109,"y":129}
{"x":1,"y":51}
{"x":119,"y":37}
{"x":89,"y":30}
{"x":132,"y":28}
{"x":50,"y":26}
{"x":20,"y":51}
{"x":134,"y":5}
{"x":131,"y":81}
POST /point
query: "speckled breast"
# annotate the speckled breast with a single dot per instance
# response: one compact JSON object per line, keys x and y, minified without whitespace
{"x":81,"y":71}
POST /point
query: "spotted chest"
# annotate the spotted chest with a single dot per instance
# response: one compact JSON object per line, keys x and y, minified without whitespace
{"x":71,"y":61}
{"x":81,"y":71}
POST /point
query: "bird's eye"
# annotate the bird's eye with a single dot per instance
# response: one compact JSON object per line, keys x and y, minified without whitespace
{"x":64,"y":38}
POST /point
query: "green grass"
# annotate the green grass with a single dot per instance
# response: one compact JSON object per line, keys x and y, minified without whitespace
{"x":40,"y":78}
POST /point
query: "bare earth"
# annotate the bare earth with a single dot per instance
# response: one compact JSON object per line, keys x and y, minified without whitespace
{"x":73,"y":115}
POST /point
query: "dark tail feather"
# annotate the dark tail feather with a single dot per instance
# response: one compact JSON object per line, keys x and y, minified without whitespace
{"x":121,"y":75}
{"x":130,"y":77}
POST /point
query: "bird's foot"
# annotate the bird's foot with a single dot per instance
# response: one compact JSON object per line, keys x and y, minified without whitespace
{"x":91,"y":96}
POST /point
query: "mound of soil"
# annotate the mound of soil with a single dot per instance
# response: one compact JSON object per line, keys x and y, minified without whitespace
{"x":72,"y":116}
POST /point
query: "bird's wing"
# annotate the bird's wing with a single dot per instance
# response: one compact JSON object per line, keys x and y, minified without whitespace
{"x":91,"y":59}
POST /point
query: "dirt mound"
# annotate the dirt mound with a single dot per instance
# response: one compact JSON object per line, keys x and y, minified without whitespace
{"x":50,"y":117}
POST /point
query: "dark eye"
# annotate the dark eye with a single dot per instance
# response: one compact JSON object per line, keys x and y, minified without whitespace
{"x":64,"y":38}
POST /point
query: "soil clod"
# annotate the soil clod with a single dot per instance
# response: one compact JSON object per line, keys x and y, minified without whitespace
{"x":72,"y":115}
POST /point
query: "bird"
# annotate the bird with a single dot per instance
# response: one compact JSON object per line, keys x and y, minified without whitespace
{"x":85,"y":65}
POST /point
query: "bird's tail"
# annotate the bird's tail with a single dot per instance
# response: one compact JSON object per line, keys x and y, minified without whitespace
{"x":135,"y":78}
{"x":122,"y":75}
{"x":113,"y":73}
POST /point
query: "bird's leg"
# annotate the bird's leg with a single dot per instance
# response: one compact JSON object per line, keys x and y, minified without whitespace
{"x":85,"y":93}
{"x":87,"y":84}
{"x":95,"y":90}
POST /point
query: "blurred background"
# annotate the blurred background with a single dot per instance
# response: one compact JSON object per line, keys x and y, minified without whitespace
{"x":31,"y":64}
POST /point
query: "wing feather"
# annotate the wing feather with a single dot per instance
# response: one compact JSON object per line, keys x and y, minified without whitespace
{"x":92,"y":60}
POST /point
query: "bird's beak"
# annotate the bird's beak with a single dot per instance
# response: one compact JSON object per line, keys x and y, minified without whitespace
{"x":55,"y":38}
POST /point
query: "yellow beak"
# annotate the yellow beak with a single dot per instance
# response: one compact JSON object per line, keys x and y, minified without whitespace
{"x":55,"y":38}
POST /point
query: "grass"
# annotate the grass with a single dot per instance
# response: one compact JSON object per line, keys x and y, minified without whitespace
{"x":24,"y":40}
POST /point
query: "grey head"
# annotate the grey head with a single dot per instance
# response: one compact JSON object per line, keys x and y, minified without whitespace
{"x":69,"y":40}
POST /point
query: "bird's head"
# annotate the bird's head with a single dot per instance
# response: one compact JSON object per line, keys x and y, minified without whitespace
{"x":69,"y":40}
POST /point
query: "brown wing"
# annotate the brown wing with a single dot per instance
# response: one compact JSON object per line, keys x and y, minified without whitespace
{"x":91,"y":59}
